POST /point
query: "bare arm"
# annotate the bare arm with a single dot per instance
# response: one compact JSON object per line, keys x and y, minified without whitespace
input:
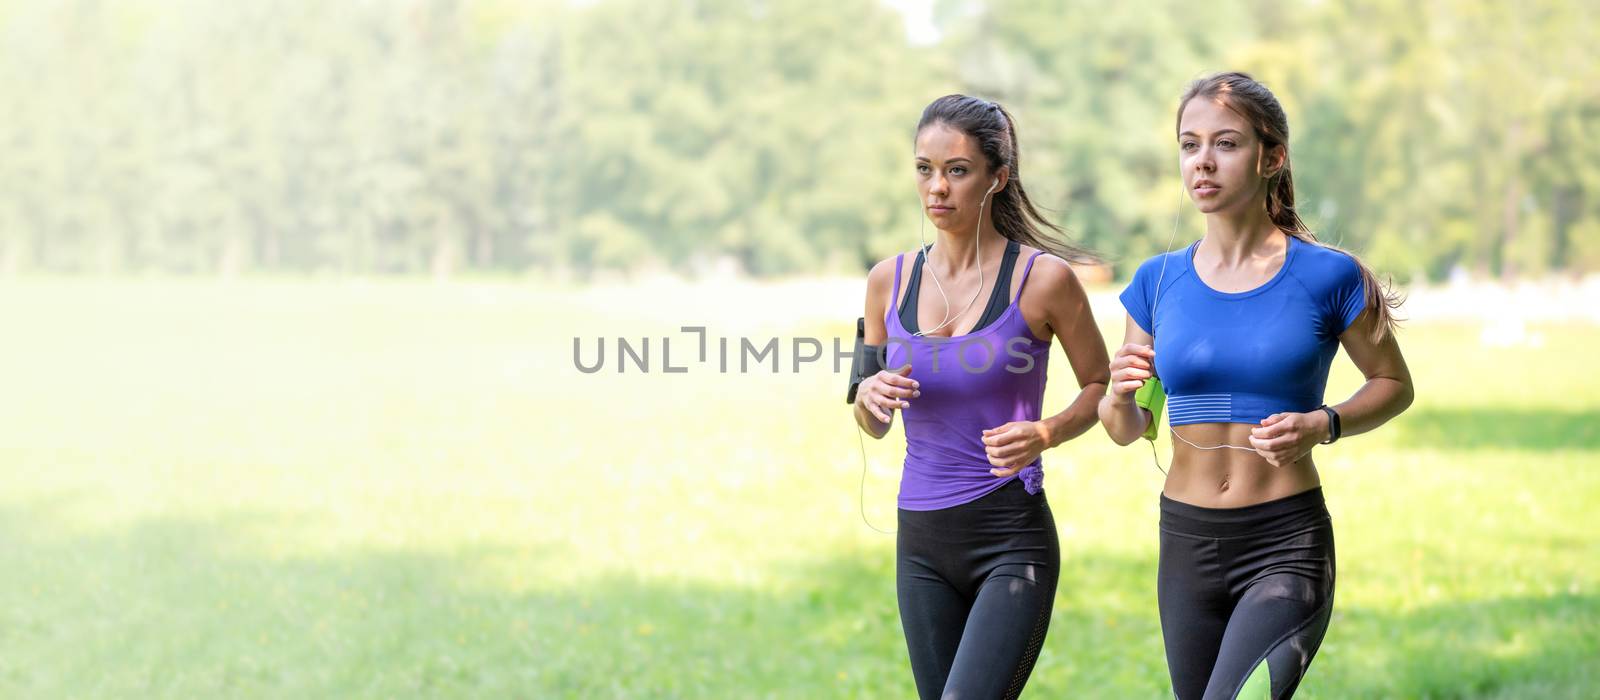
{"x":1285,"y":437}
{"x":1056,"y":296}
{"x":880,"y":395}
{"x":1387,"y":392}
{"x":1073,"y":323}
{"x":1133,"y":364}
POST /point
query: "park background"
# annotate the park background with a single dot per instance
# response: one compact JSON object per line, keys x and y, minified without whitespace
{"x":292,"y":294}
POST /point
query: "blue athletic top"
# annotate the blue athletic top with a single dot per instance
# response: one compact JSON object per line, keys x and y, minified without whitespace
{"x":1240,"y":357}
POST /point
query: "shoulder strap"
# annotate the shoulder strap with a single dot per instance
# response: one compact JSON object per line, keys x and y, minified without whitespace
{"x":1025,"y":272}
{"x":894,"y":300}
{"x":1002,"y":281}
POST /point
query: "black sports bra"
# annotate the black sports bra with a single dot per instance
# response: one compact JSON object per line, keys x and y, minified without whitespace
{"x":997,"y":298}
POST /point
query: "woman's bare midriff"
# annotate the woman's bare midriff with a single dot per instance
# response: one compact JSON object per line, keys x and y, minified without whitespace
{"x":1228,"y":478}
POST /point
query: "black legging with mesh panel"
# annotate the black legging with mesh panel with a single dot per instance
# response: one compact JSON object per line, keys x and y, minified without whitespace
{"x":1245,"y":595}
{"x":975,"y":584}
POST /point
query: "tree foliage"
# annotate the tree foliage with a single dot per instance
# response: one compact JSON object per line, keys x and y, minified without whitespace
{"x":436,"y":137}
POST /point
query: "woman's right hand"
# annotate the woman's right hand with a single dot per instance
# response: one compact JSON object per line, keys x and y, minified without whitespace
{"x":1130,"y":367}
{"x":886,"y":391}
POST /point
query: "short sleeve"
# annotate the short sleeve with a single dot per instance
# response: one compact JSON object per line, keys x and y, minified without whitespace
{"x":1349,"y":294}
{"x":1136,"y":297}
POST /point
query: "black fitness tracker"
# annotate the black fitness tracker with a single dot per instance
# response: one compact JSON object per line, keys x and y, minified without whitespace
{"x":1333,"y":424}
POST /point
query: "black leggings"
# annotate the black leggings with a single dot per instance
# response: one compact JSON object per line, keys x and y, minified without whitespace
{"x":975,"y":584}
{"x":1245,"y":594}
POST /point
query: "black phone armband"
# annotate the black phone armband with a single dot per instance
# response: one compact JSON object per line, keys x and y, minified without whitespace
{"x":866,"y":361}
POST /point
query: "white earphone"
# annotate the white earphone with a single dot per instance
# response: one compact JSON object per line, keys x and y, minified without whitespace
{"x":1155,"y":304}
{"x":977,"y":241}
{"x":861,"y":495}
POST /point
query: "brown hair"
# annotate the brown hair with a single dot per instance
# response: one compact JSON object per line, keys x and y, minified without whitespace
{"x":1253,"y":101}
{"x":1015,"y":216}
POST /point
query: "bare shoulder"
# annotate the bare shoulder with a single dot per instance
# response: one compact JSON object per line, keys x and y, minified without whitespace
{"x":880,"y":283}
{"x":881,"y":275}
{"x":1051,"y":275}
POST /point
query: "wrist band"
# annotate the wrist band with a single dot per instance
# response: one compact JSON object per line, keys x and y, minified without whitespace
{"x":1333,"y":424}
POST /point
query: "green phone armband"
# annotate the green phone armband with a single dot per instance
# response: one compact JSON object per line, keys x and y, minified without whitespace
{"x":1152,"y":398}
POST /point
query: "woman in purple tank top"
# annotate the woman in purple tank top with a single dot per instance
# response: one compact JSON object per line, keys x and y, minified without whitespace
{"x":976,"y":553}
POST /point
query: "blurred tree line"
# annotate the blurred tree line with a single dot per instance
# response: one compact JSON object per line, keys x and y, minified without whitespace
{"x":770,"y":136}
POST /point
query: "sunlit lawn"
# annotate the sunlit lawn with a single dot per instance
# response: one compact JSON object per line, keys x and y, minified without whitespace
{"x":293,"y":489}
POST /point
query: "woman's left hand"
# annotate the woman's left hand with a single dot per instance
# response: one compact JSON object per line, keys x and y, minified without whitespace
{"x":1015,"y":445}
{"x":1283,"y":438}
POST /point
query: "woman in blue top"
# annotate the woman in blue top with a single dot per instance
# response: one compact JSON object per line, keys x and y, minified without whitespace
{"x":1239,"y":329}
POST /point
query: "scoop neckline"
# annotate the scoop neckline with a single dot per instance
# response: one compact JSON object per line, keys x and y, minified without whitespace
{"x":1283,"y":270}
{"x":1015,"y":307}
{"x":998,"y":321}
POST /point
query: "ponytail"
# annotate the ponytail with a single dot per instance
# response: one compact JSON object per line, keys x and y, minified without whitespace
{"x":1381,"y":297}
{"x":1016,"y":217}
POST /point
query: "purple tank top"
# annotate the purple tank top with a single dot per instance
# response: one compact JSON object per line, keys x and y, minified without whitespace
{"x":970,"y":383}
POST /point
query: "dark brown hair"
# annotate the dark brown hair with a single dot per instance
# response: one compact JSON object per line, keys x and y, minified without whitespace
{"x":1015,"y":216}
{"x":1253,"y":101}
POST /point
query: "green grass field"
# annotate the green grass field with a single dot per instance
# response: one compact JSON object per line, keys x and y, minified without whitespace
{"x":323,"y":489}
